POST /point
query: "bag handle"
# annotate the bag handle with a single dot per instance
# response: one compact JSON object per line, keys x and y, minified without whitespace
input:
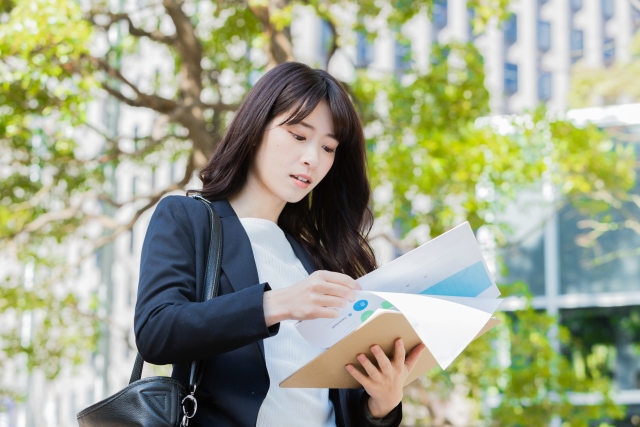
{"x":211,"y":286}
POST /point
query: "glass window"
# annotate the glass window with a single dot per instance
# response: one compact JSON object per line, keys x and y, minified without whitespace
{"x":524,"y":262}
{"x":326,"y":38}
{"x":402,"y":55}
{"x":577,"y":44}
{"x":544,"y":36}
{"x":582,"y":269}
{"x":472,"y":15}
{"x":635,"y":17}
{"x":607,"y":9}
{"x":511,"y":29}
{"x":510,"y":78}
{"x":545,"y":87}
{"x":440,"y":13}
{"x":609,"y":50}
{"x":364,"y":51}
{"x":613,"y":264}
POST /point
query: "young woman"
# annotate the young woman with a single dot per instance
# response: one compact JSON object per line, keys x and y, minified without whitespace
{"x":289,"y":183}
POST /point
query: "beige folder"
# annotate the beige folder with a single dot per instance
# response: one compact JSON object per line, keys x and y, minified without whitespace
{"x":328,"y":369}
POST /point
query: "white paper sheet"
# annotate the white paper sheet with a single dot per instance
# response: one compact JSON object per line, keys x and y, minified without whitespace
{"x":446,"y":326}
{"x":451,"y":264}
{"x":326,"y":332}
{"x":443,"y":288}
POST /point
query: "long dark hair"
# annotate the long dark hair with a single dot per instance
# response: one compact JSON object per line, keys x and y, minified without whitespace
{"x":333,"y":221}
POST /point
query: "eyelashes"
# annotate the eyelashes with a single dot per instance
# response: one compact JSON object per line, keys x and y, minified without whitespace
{"x":302,"y":138}
{"x":297,"y":137}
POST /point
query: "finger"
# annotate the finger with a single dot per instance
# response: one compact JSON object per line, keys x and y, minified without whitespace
{"x":329,"y":301}
{"x":414,"y":356}
{"x":369,"y":367}
{"x":359,"y":376}
{"x":383,"y":361}
{"x":399,"y":355}
{"x":340,"y":291}
{"x":340,"y":279}
{"x":321,"y":313}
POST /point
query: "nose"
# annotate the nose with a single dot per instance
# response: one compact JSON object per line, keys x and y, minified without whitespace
{"x":310,"y":156}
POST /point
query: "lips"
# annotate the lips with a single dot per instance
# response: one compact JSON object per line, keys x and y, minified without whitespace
{"x":303,"y":178}
{"x":301,"y":181}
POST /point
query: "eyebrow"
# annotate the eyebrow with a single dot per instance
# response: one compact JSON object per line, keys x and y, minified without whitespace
{"x":307,"y":125}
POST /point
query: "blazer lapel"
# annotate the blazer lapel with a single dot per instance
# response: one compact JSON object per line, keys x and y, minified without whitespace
{"x":301,"y":253}
{"x":238,"y":262}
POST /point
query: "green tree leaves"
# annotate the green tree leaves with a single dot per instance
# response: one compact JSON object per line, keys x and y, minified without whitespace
{"x":434,"y":160}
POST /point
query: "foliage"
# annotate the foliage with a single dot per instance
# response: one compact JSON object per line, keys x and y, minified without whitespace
{"x":609,"y":85}
{"x":516,"y":370}
{"x":45,"y":86}
{"x":463,"y":170}
{"x":429,"y":150}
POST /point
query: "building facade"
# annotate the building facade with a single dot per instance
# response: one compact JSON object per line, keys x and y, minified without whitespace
{"x":528,"y":61}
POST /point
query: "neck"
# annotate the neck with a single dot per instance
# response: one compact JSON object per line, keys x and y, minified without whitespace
{"x":254,"y":201}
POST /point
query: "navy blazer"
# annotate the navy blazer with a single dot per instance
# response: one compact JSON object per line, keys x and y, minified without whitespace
{"x":227,"y":331}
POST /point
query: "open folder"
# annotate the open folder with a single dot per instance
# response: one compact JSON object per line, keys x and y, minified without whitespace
{"x":328,"y":369}
{"x":441,"y":294}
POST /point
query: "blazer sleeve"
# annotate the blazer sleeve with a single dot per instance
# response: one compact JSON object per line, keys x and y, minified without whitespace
{"x":170,"y":327}
{"x":358,"y":404}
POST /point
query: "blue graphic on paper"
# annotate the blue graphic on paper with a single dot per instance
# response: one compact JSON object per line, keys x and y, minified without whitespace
{"x":470,"y":282}
{"x":360,"y":305}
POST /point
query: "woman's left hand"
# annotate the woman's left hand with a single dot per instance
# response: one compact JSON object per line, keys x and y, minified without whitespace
{"x":384,"y":384}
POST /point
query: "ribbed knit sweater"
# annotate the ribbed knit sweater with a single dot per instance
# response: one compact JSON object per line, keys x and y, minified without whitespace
{"x":287,"y":351}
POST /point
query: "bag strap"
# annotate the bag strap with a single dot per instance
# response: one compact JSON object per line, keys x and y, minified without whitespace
{"x":211,"y":286}
{"x":211,"y":280}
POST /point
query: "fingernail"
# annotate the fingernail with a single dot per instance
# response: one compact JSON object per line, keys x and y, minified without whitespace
{"x":400,"y":342}
{"x":349,"y":367}
{"x":375,"y":348}
{"x":360,"y":356}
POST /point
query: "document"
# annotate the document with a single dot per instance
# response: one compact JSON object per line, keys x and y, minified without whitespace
{"x":443,"y":288}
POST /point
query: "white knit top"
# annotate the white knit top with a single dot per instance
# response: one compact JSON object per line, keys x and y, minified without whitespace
{"x":287,"y":351}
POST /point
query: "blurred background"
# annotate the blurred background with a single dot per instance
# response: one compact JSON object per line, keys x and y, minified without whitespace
{"x":517,"y":116}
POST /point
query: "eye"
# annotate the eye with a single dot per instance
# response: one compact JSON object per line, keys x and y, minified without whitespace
{"x":328,"y":150}
{"x":297,"y":137}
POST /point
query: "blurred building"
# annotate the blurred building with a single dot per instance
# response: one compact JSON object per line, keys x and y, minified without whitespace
{"x":594,"y":291}
{"x":528,"y":61}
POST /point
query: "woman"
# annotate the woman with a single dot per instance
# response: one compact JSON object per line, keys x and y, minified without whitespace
{"x":289,"y":183}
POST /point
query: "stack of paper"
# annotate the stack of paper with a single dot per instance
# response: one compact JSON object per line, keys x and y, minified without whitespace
{"x":443,"y":290}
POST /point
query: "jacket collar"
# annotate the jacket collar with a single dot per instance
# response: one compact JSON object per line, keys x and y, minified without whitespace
{"x":238,"y":262}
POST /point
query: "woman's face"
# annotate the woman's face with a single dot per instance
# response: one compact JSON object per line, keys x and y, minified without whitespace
{"x":292,"y":159}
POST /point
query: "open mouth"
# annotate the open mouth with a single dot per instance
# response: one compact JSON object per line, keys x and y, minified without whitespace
{"x":299,"y":178}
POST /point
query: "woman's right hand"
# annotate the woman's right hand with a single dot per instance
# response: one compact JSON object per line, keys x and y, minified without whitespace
{"x":317,"y":296}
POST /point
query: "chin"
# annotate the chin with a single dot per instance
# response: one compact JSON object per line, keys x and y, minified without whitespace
{"x":294,"y":196}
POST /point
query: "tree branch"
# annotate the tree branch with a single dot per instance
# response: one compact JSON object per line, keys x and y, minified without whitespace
{"x":220,"y":106}
{"x":155,"y":35}
{"x":611,"y":256}
{"x":153,"y":102}
{"x":279,"y":49}
{"x":188,"y":46}
{"x":191,"y":115}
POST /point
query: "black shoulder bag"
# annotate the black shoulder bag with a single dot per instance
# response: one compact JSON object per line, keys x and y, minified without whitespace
{"x":156,"y":401}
